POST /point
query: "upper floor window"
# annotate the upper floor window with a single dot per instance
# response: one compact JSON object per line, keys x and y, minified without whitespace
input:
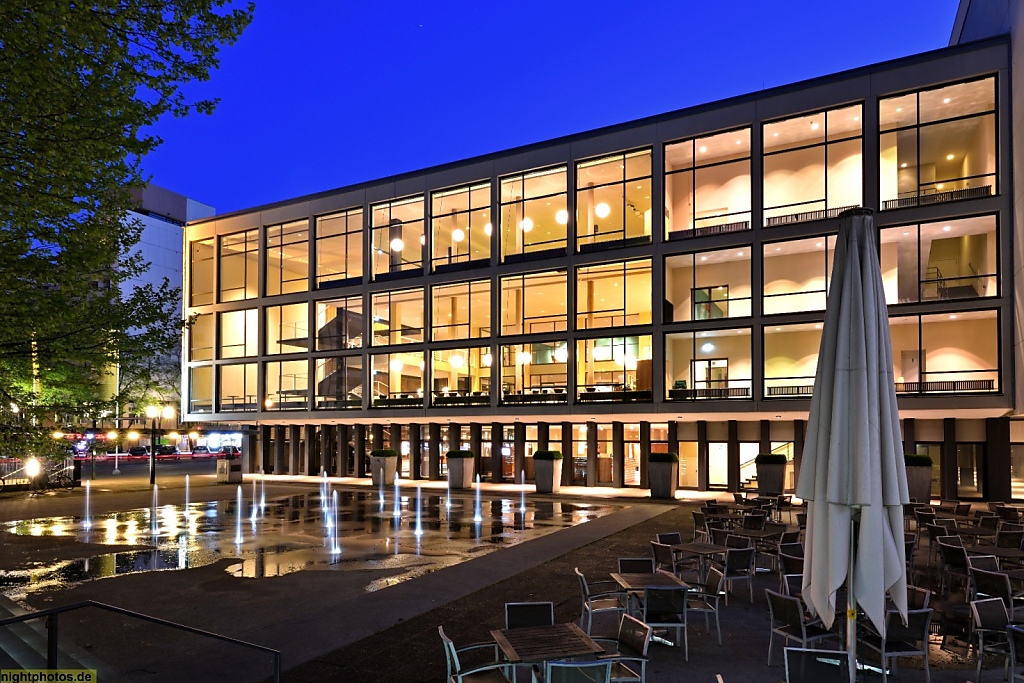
{"x":461,"y":377}
{"x":339,"y":382}
{"x":202,"y":254}
{"x":200,"y":338}
{"x":339,"y":324}
{"x":398,"y":317}
{"x":711,"y":364}
{"x":614,"y":370}
{"x":796,"y":274}
{"x":237,"y":388}
{"x":239,"y":333}
{"x":287,"y":328}
{"x":534,"y":214}
{"x":952,"y":259}
{"x":707,"y":185}
{"x":239,"y":269}
{"x":461,"y":310}
{"x":938,"y":145}
{"x":461,"y":225}
{"x":287,"y":385}
{"x":613,"y":294}
{"x":613,"y":201}
{"x":398,"y":237}
{"x":946,"y":352}
{"x":288,"y":258}
{"x":534,"y":303}
{"x":707,"y":285}
{"x":812,"y":166}
{"x":339,"y":248}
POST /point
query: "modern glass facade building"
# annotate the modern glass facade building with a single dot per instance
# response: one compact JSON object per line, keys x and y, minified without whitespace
{"x":654,"y":286}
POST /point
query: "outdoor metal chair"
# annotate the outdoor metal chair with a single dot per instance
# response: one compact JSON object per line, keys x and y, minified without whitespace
{"x":628,"y":650}
{"x":901,"y":641}
{"x":953,"y":559}
{"x":665,"y":559}
{"x":989,"y":563}
{"x":791,"y":574}
{"x":700,"y":528}
{"x":670,"y":538}
{"x":666,"y":608}
{"x":962,"y":509}
{"x":789,"y":620}
{"x":917,"y":597}
{"x":600,"y":602}
{"x":524,"y":614}
{"x":794,"y":549}
{"x":804,"y":665}
{"x":996,"y":585}
{"x":738,"y":566}
{"x":578,"y":672}
{"x":1015,"y":640}
{"x":784,"y":503}
{"x":636,"y":565}
{"x":706,"y":601}
{"x":754,"y":520}
{"x":1009,"y":514}
{"x":989,"y":618}
{"x":491,"y":672}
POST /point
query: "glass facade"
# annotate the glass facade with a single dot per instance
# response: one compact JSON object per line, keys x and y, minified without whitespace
{"x":287,"y":329}
{"x":398,"y":238}
{"x":535,"y":373}
{"x":288,"y":258}
{"x":287,"y":384}
{"x":461,"y":227}
{"x":239,"y":333}
{"x":534,"y":303}
{"x":614,"y":369}
{"x":339,"y":382}
{"x":461,"y":310}
{"x":613,"y":201}
{"x":613,"y":295}
{"x":791,"y":359}
{"x":707,"y":185}
{"x":938,"y":145}
{"x":461,"y":377}
{"x":201,"y":255}
{"x":339,"y":248}
{"x":239,"y":268}
{"x":713,"y":364}
{"x":398,"y":317}
{"x":534,"y":213}
{"x":796,"y":274}
{"x":339,"y":324}
{"x":946,"y":352}
{"x":708,"y":285}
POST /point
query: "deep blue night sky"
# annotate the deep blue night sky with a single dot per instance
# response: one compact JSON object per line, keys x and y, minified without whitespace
{"x":318,"y":95}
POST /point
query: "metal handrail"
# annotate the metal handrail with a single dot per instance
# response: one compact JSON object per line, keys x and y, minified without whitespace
{"x":51,"y":615}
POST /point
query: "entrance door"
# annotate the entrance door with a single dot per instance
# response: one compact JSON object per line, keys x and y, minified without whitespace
{"x":718,"y":465}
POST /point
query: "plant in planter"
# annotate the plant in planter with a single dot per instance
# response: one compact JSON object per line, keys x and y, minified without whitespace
{"x":383,"y":466}
{"x":663,"y":474}
{"x":771,"y":473}
{"x":919,"y":476}
{"x":547,"y":470}
{"x":461,"y":469}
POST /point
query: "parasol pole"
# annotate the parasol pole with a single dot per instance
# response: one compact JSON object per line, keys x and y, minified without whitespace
{"x":851,"y":605}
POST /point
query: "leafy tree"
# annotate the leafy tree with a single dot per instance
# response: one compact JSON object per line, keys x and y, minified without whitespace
{"x":81,"y":85}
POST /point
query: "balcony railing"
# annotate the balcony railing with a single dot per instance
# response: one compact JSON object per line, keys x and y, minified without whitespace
{"x":460,"y":398}
{"x":955,"y":386}
{"x":398,"y":400}
{"x":612,"y":393}
{"x":938,"y":197}
{"x":708,"y":392}
{"x":804,"y":216}
{"x":556,"y":394}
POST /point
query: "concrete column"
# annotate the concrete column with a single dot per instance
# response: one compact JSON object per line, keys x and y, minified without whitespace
{"x":294,"y":448}
{"x":376,"y":436}
{"x":996,"y":463}
{"x":454,"y":436}
{"x":310,"y":460}
{"x":618,"y":455}
{"x":703,"y":456}
{"x":798,"y":446}
{"x":645,"y":450}
{"x":567,"y":453}
{"x":518,"y":452}
{"x":250,"y":450}
{"x":434,"y":451}
{"x":343,"y":434}
{"x":415,"y":450}
{"x":279,"y":441}
{"x":476,"y":442}
{"x":733,"y":453}
{"x":948,"y":485}
{"x":765,"y":445}
{"x":591,"y":454}
{"x":326,"y":452}
{"x":497,"y":439}
{"x":266,"y":449}
{"x":359,"y":449}
{"x":543,"y":434}
{"x":910,"y":436}
{"x":395,"y":437}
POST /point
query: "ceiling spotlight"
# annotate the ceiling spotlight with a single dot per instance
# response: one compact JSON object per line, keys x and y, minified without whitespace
{"x":856,"y":118}
{"x":456,"y":361}
{"x":487,"y":360}
{"x":707,"y":347}
{"x":946,"y":228}
{"x":561,"y":354}
{"x":488,"y":229}
{"x":396,"y":365}
{"x":952,"y":317}
{"x":397,"y":244}
{"x":702,"y":149}
{"x":814,"y":125}
{"x":903,"y":165}
{"x":458,"y":235}
{"x":562,"y":217}
{"x":899,"y":109}
{"x":602,"y":210}
{"x":949,"y":157}
{"x":423,"y":239}
{"x":526,"y":225}
{"x":524,"y":357}
{"x":945,"y":101}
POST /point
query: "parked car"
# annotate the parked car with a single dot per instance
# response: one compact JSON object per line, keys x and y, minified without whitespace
{"x":200,"y":450}
{"x":166,"y":449}
{"x":230,"y":452}
{"x":138,"y":450}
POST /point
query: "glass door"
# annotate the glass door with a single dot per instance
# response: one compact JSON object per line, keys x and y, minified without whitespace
{"x":718,"y":465}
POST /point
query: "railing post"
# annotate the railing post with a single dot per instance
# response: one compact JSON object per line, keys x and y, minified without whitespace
{"x":277,"y":667}
{"x":51,"y":641}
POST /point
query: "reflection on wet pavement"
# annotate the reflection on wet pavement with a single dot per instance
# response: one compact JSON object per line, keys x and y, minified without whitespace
{"x":394,"y":534}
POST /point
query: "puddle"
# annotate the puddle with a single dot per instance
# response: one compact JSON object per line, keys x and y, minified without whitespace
{"x":402,"y":536}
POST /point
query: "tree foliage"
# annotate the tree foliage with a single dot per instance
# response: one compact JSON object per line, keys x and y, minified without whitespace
{"x":81,"y":85}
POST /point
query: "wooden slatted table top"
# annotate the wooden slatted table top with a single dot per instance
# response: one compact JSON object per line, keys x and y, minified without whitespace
{"x":542,"y":643}
{"x":637,"y":582}
{"x":699,"y":548}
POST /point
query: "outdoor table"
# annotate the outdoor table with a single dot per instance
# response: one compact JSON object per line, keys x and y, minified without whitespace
{"x":542,"y":643}
{"x":704,"y":550}
{"x":974,"y":532}
{"x":635,"y":583}
{"x":730,"y":518}
{"x":1001,"y":553}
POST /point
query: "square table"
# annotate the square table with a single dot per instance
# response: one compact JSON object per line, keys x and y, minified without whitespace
{"x":635,"y":583}
{"x":704,"y":550}
{"x":1001,"y":553}
{"x":542,"y":643}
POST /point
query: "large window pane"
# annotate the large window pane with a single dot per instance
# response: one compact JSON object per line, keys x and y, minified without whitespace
{"x":790,"y":359}
{"x":614,"y":369}
{"x":239,"y":269}
{"x":288,"y":258}
{"x":534,"y":303}
{"x":613,"y":294}
{"x":200,"y":389}
{"x":713,"y":364}
{"x":461,"y":225}
{"x":613,"y":200}
{"x":535,"y":373}
{"x":812,"y":166}
{"x":397,"y":379}
{"x":707,"y":185}
{"x":339,"y":248}
{"x":239,"y":333}
{"x":707,"y":285}
{"x":461,"y":310}
{"x":398,"y":237}
{"x":938,"y":145}
{"x":200,"y":338}
{"x":398,"y":317}
{"x":796,"y":274}
{"x":237,"y":388}
{"x":339,"y":382}
{"x":287,"y":385}
{"x":946,"y":353}
{"x":339,"y":324}
{"x":534,"y":214}
{"x":461,"y":377}
{"x":287,"y":329}
{"x":201,"y":253}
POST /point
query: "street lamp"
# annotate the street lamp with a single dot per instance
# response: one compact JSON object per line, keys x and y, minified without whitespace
{"x":112,"y":436}
{"x":155,"y":413}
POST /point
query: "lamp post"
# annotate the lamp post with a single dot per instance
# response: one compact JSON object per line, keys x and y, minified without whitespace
{"x":155,"y":413}
{"x":112,"y":436}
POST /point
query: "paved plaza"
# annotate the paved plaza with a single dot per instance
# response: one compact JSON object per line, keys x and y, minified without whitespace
{"x":329,"y":628}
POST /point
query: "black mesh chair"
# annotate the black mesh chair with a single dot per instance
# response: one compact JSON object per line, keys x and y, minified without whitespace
{"x":526,"y":614}
{"x":665,"y":608}
{"x":901,"y":641}
{"x":990,"y":620}
{"x":628,"y":650}
{"x":804,"y":665}
{"x":1015,"y":639}
{"x":789,"y":620}
{"x":636,"y":565}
